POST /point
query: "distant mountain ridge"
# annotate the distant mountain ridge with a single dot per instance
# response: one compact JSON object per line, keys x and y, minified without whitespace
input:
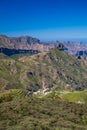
{"x":23,"y":43}
{"x":29,"y":43}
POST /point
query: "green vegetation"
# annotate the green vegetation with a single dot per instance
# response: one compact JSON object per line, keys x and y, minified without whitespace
{"x":53,"y":69}
{"x":75,"y":96}
{"x":18,"y":56}
{"x":9,"y":95}
{"x":48,"y":113}
{"x":63,"y":108}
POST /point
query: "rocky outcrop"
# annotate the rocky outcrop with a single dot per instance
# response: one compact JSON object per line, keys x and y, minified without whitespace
{"x":60,"y":46}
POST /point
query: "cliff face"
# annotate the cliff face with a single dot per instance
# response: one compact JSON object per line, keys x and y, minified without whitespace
{"x":23,"y":42}
{"x":6,"y":42}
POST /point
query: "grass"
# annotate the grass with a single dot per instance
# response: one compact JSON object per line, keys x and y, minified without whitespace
{"x":80,"y":96}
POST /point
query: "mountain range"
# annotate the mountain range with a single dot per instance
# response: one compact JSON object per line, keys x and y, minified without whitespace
{"x":19,"y":45}
{"x":42,"y":87}
{"x":23,"y":43}
{"x":50,"y":68}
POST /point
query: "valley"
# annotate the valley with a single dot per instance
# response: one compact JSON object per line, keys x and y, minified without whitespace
{"x":45,"y":90}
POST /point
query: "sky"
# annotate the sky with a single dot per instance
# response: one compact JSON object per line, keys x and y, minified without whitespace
{"x":44,"y":19}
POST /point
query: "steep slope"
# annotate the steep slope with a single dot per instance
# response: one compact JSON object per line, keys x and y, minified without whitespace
{"x":54,"y":70}
{"x":9,"y":73}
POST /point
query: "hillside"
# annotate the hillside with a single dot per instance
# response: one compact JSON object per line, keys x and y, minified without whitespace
{"x":49,"y":113}
{"x":54,"y":70}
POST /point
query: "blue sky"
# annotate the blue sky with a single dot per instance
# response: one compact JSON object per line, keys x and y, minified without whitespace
{"x":44,"y":19}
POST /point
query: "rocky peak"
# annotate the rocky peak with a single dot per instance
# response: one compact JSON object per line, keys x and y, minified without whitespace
{"x":26,"y":40}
